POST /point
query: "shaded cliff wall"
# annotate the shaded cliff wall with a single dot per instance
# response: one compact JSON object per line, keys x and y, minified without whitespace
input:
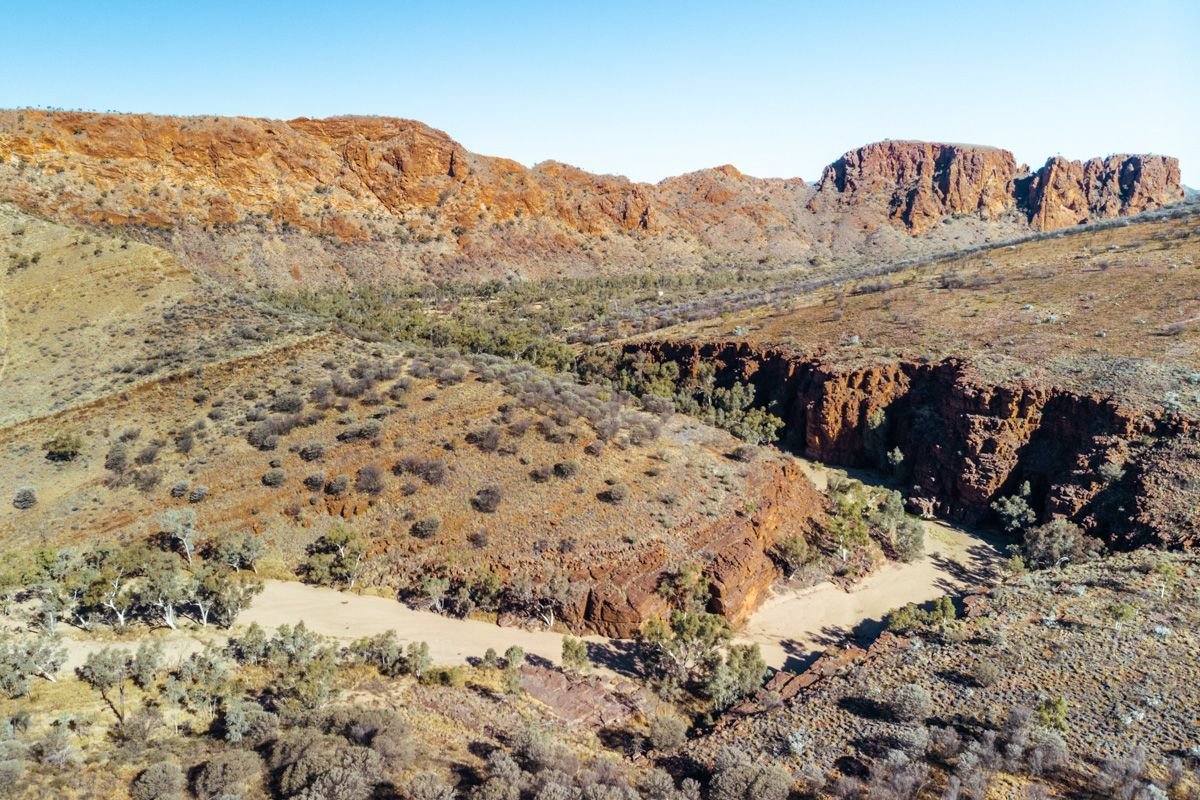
{"x":965,"y":443}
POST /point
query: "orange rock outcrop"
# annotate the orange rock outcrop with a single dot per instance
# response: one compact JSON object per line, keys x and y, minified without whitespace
{"x":918,"y":183}
{"x":736,"y":551}
{"x":1064,"y":193}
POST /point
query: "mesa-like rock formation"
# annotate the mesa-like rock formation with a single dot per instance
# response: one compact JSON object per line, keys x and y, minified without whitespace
{"x":374,"y":198}
{"x":921,"y":183}
{"x":918,"y":183}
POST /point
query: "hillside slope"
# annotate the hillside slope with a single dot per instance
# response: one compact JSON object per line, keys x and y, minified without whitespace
{"x":370,"y":198}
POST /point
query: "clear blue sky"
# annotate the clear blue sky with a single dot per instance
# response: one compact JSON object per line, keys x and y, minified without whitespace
{"x":647,"y":89}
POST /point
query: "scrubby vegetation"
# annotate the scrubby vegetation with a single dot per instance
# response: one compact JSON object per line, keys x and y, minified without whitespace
{"x":175,"y":576}
{"x":862,"y":514}
{"x":264,"y":715}
{"x":534,"y":321}
{"x":1027,"y":691}
{"x":663,"y":389}
{"x":501,"y":472}
{"x":493,"y":320}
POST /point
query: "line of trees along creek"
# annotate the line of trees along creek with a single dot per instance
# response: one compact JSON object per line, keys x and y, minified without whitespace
{"x":173,"y":579}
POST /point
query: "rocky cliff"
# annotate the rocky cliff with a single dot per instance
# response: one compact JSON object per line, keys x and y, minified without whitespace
{"x":965,"y":442}
{"x":735,"y":552}
{"x":395,"y":188}
{"x":367,"y":198}
{"x":920,"y":183}
{"x":316,"y":175}
{"x":1064,"y":193}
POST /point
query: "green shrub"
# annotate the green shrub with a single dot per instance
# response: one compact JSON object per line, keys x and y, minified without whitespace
{"x":615,"y":494}
{"x":911,"y":703}
{"x":566,"y":469}
{"x":64,"y":447}
{"x":312,"y":451}
{"x":160,"y":781}
{"x":668,"y":731}
{"x":1052,"y":713}
{"x":426,"y":527}
{"x":1014,"y":511}
{"x":233,"y":773}
{"x":487,"y":499}
{"x":117,"y":458}
{"x":486,"y":439}
{"x":369,"y":480}
{"x":430,"y":470}
{"x":1057,"y":542}
{"x":335,"y":559}
{"x":25,"y":498}
{"x":575,"y":654}
{"x":987,"y":674}
{"x":910,"y":540}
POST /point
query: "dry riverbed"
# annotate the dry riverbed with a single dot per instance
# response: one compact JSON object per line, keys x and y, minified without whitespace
{"x":790,"y":627}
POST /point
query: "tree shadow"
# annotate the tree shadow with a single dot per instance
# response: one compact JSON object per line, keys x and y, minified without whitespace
{"x":798,"y":658}
{"x":959,"y":678}
{"x":1112,"y":584}
{"x":877,"y":745}
{"x":484,"y":692}
{"x":480,"y":750}
{"x":621,"y":740}
{"x":467,"y":777}
{"x":868,"y":630}
{"x":618,"y":655}
{"x":865,"y":708}
{"x":957,"y":574}
{"x":852,"y":767}
{"x":680,"y":766}
{"x":834,"y":636}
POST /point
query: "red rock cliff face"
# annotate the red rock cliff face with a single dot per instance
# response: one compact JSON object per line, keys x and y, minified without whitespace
{"x":735,"y":552}
{"x":1064,"y":193}
{"x":967,"y":443}
{"x":336,"y":175}
{"x":921,"y":182}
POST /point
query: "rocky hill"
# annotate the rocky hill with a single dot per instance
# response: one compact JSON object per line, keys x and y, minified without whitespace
{"x":365,"y":198}
{"x":920,"y":183}
{"x":1064,"y":193}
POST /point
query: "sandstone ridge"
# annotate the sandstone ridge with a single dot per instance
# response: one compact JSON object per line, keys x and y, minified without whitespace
{"x":368,"y":198}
